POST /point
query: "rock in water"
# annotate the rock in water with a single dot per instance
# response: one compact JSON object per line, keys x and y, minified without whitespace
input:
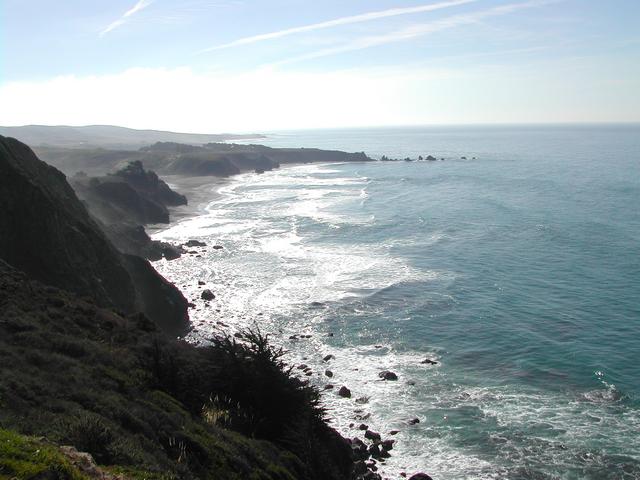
{"x":371,"y":435}
{"x":194,"y":243}
{"x":420,"y":476}
{"x":207,"y":295}
{"x":344,"y":392}
{"x":388,"y":375}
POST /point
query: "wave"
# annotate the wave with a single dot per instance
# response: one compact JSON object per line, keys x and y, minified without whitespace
{"x":305,"y":259}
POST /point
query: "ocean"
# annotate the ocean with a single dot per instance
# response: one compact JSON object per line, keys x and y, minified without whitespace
{"x":517,"y":271}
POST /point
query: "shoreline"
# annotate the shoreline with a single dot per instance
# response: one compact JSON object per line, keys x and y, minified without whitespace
{"x":200,"y":191}
{"x":372,"y":447}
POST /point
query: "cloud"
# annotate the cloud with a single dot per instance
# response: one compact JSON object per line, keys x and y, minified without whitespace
{"x":415,"y":31}
{"x":140,"y":5}
{"x":184,"y":99}
{"x":365,"y":17}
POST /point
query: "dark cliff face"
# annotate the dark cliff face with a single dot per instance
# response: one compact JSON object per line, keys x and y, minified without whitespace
{"x":123,"y":202}
{"x":148,"y":184}
{"x":111,"y":200}
{"x":46,"y":232}
{"x":131,"y":194}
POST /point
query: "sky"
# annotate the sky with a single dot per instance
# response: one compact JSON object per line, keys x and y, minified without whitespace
{"x":262,"y":65}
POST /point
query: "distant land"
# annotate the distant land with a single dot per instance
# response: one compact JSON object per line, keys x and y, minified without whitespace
{"x":110,"y":137}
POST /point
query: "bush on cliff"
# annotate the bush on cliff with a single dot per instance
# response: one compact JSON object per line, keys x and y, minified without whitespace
{"x":138,"y":400}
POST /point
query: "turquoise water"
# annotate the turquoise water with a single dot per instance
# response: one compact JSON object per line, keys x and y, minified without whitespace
{"x":519,"y":272}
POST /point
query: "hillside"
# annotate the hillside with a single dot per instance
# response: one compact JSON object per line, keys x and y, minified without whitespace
{"x":48,"y":233}
{"x":145,"y":405}
{"x":108,"y":136}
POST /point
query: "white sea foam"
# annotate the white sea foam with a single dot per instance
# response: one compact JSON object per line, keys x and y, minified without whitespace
{"x":275,"y":272}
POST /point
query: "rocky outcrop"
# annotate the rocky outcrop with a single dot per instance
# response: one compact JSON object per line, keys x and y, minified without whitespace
{"x":131,"y":194}
{"x":388,"y":375}
{"x":133,"y":240}
{"x":212,"y":159}
{"x":147,"y":184}
{"x":47,"y":232}
{"x":125,"y":201}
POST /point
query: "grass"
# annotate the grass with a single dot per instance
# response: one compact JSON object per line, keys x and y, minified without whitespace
{"x":24,"y":457}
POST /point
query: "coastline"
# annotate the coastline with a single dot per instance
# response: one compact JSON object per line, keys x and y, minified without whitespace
{"x":200,"y":191}
{"x":371,"y":447}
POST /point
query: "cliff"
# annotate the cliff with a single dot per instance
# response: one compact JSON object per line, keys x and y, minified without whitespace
{"x":170,"y":158}
{"x":131,"y":193}
{"x":48,"y":233}
{"x":125,"y":201}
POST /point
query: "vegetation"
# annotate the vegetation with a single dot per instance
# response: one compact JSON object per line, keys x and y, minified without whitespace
{"x":23,"y":457}
{"x":139,"y":401}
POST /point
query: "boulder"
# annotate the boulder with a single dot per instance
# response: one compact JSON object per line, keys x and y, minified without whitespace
{"x":207,"y":295}
{"x":413,"y":421}
{"x":388,"y":375}
{"x":328,"y":373}
{"x":194,"y":243}
{"x":420,"y":476}
{"x":359,"y":449}
{"x":359,"y":468}
{"x":327,"y":358}
{"x":387,"y":444}
{"x":371,"y":435}
{"x":371,"y":476}
{"x":344,"y":392}
{"x":376,"y":452}
{"x":428,"y":361}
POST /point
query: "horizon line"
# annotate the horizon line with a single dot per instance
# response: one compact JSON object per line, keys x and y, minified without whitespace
{"x":358,"y":127}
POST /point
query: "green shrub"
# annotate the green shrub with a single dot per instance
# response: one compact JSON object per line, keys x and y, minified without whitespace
{"x":90,"y":433}
{"x":25,"y":458}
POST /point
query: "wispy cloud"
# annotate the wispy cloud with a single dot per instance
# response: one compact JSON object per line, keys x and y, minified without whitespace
{"x":365,"y":17}
{"x":140,"y":5}
{"x":416,"y":31}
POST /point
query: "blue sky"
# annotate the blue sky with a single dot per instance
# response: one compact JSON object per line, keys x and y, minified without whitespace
{"x":239,"y":65}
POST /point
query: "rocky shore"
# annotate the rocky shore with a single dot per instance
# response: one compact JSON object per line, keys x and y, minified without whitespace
{"x":89,"y":358}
